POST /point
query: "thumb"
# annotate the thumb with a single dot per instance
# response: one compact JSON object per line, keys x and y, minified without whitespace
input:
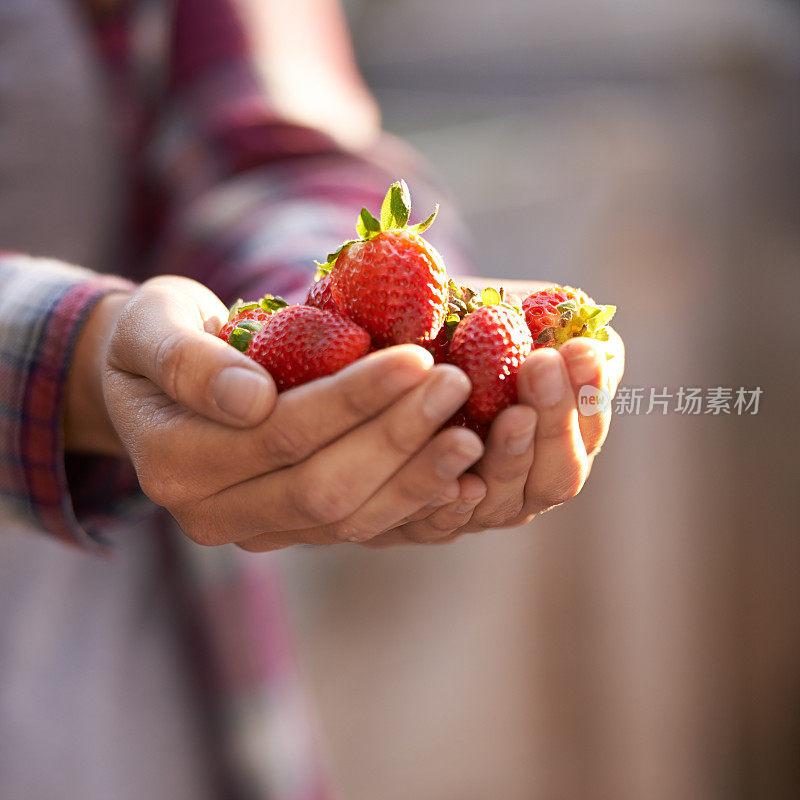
{"x":166,"y":333}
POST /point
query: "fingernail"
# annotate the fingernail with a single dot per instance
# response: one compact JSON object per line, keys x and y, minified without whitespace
{"x":468,"y":505}
{"x":402,"y":378}
{"x":520,"y":442}
{"x":585,"y":365}
{"x":438,"y":503}
{"x":547,"y":384}
{"x":447,"y":392}
{"x":240,"y":392}
{"x":458,"y":461}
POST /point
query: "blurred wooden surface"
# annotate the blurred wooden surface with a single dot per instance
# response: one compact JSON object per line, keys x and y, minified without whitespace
{"x":644,"y":641}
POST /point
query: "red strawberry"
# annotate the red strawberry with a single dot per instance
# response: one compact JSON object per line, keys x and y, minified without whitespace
{"x":319,"y":295}
{"x":490,"y":344}
{"x":301,"y":343}
{"x":461,"y":300}
{"x":391,"y":281}
{"x":461,"y":420}
{"x":439,"y":348}
{"x":559,"y":313}
{"x":245,"y":319}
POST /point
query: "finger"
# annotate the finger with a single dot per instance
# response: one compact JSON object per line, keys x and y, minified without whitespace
{"x":444,"y":523}
{"x":448,"y":520}
{"x":429,"y":478}
{"x":586,"y":367}
{"x":398,"y":537}
{"x":305,"y":420}
{"x":311,"y":416}
{"x":389,"y":539}
{"x":470,"y":487}
{"x":429,"y":481}
{"x":453,"y":537}
{"x":339,"y":479}
{"x":280,"y":540}
{"x":559,"y":468}
{"x":505,"y":466}
{"x":167,"y":334}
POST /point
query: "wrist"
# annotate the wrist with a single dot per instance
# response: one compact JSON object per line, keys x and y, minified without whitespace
{"x":87,"y":426}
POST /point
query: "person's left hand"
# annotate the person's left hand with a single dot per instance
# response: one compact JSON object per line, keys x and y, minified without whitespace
{"x":538,"y":452}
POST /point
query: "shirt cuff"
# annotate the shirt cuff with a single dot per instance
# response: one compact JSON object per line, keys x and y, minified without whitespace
{"x":40,"y":467}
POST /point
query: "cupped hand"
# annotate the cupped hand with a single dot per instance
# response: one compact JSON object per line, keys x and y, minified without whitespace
{"x":538,"y":453}
{"x":342,"y":459}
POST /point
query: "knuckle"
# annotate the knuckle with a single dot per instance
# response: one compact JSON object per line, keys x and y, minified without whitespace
{"x":123,"y":338}
{"x":202,"y":535}
{"x":357,"y":399}
{"x":156,"y":485}
{"x":169,"y":361}
{"x":418,"y":536}
{"x":163,"y":477}
{"x":202,"y":529}
{"x":415,"y":492}
{"x":445,"y":524}
{"x":286,"y":443}
{"x":323,"y":502}
{"x":351,"y":530}
{"x":432,"y":530}
{"x":420,"y":532}
{"x":399,"y":439}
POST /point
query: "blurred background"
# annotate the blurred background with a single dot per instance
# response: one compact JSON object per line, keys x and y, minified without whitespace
{"x":644,"y":641}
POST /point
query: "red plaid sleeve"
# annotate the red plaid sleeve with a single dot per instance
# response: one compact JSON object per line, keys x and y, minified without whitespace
{"x":42,"y":307}
{"x":241,"y":174}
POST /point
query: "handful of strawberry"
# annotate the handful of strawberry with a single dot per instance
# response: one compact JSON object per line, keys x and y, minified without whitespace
{"x":389,"y":286}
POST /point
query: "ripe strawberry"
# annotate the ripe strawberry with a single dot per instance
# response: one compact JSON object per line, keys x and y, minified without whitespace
{"x":390,"y":280}
{"x":490,"y":344}
{"x":439,"y":348}
{"x":461,"y":420}
{"x":319,"y":295}
{"x":245,"y":319}
{"x":559,"y":313}
{"x":301,"y":343}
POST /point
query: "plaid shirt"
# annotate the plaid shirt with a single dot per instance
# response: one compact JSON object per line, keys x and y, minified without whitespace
{"x":228,"y":187}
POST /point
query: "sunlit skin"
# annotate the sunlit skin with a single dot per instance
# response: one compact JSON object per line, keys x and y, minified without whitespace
{"x":374,"y":467}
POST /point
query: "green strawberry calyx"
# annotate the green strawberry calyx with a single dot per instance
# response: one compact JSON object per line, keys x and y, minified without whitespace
{"x":245,"y":329}
{"x":463,"y":300}
{"x":395,"y":213}
{"x":578,"y":319}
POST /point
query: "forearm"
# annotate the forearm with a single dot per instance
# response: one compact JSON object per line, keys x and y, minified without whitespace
{"x":87,"y":427}
{"x":257,"y":149}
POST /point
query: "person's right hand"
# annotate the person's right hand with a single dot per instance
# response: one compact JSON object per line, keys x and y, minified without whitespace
{"x":341,"y":459}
